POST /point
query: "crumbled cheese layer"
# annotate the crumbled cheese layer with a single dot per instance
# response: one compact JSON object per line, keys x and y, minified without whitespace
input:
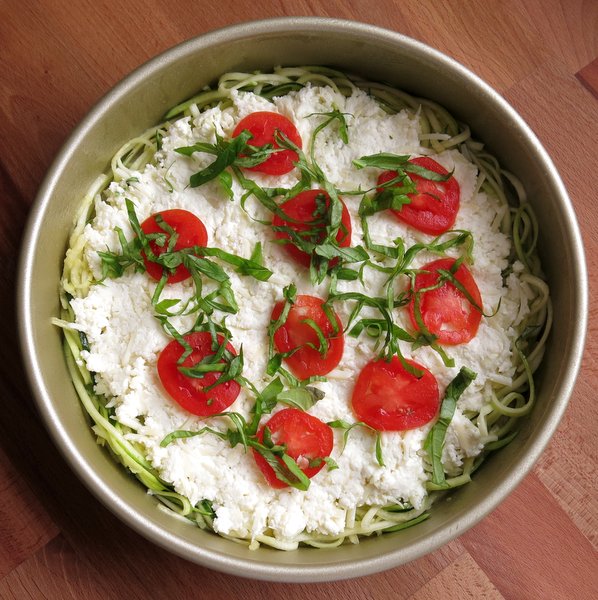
{"x":125,"y":338}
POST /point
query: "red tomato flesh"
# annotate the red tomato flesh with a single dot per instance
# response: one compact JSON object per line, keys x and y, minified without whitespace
{"x":302,"y":211}
{"x":191,"y":232}
{"x":446,"y":311}
{"x":296,"y":333}
{"x":389,"y":398}
{"x":306,"y":439}
{"x":263,"y":126}
{"x":190,"y":392}
{"x":433,"y":209}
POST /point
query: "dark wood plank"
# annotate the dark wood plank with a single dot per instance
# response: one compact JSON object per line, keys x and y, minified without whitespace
{"x":62,"y":61}
{"x":588,"y":76}
{"x":25,"y":526}
{"x":57,"y":572}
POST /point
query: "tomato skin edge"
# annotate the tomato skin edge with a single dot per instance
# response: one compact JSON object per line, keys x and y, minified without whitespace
{"x":263,"y":125}
{"x":423,"y":214}
{"x":307,"y":361}
{"x":192,"y":233}
{"x":298,"y":205}
{"x":305,"y":427}
{"x":387,"y":397}
{"x":188,"y":392}
{"x":470,"y":322}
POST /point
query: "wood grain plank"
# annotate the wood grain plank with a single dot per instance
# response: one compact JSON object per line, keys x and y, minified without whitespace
{"x":518,"y":545}
{"x":139,"y":565}
{"x":569,"y":466}
{"x":25,"y":526}
{"x":565,"y":117}
{"x":588,"y":76}
{"x":63,"y":60}
{"x":57,"y":572}
{"x":461,"y":579}
{"x":469,"y":32}
{"x":61,"y":63}
{"x":59,"y":58}
{"x":569,"y":29}
{"x":552,"y":95}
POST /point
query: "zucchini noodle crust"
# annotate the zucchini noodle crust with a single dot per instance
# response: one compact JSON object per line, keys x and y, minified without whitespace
{"x":498,"y":417}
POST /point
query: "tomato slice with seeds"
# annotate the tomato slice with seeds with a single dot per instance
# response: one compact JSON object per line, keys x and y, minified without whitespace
{"x":305,"y":217}
{"x":296,"y":333}
{"x":446,"y":311}
{"x":190,"y":392}
{"x":388,"y":397}
{"x":306,"y":438}
{"x":263,"y":126}
{"x":191,"y":232}
{"x":433,"y":209}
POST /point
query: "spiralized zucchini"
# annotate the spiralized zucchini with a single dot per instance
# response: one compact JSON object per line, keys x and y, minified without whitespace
{"x":497,"y":420}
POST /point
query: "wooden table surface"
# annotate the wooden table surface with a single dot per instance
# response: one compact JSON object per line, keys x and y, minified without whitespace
{"x":57,"y":58}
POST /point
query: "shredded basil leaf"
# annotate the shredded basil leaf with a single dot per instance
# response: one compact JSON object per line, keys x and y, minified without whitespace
{"x":302,"y":398}
{"x":434,"y":443}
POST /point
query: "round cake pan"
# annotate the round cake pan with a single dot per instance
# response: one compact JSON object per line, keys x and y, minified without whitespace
{"x":139,"y":102}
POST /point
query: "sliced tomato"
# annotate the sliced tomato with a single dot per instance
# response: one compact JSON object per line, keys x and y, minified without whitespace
{"x":446,"y":311}
{"x":263,"y":126}
{"x":307,"y":440}
{"x":190,"y":392}
{"x":387,"y":397}
{"x":305,"y":218}
{"x":190,"y":230}
{"x":433,"y":209}
{"x":297,"y":333}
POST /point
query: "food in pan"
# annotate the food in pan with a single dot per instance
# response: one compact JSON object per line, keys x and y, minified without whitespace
{"x":304,"y":306}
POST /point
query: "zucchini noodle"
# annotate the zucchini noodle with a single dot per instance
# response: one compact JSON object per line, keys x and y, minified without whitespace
{"x":496,"y":420}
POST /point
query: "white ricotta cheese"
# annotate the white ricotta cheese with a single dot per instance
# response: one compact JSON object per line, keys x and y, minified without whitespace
{"x":125,"y":338}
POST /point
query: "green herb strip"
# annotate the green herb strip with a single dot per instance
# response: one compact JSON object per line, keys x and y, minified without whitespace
{"x":194,"y":259}
{"x":326,"y":248}
{"x":395,"y":192}
{"x":237,"y":152}
{"x":434,"y":443}
{"x":275,"y":359}
{"x":229,"y":366}
{"x":283,"y":465}
{"x":403,"y":259}
{"x":323,"y":343}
